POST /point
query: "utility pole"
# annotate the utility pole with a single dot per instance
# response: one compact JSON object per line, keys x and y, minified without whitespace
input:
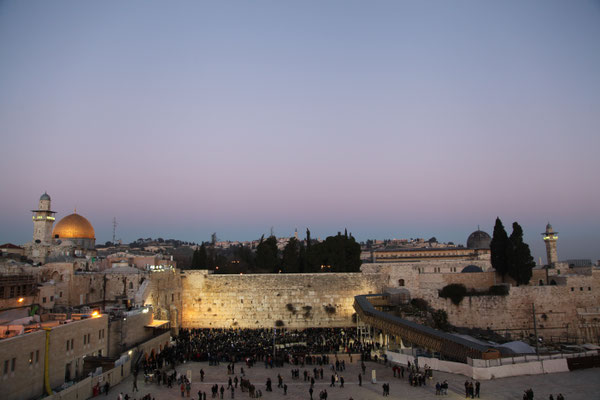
{"x":537,"y":350}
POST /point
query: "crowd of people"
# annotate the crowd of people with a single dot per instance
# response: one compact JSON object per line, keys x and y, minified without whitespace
{"x":309,"y":352}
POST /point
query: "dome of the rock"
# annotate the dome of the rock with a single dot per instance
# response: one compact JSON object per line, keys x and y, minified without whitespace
{"x":73,"y":226}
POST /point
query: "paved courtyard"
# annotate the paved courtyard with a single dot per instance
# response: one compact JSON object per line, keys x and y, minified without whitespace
{"x":583,"y":384}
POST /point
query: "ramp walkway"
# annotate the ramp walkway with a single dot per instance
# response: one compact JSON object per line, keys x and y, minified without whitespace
{"x":449,"y":346}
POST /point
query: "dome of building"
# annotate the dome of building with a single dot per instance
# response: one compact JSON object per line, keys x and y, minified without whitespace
{"x":479,"y":240}
{"x":45,"y":196}
{"x":73,"y":226}
{"x":471,"y":268}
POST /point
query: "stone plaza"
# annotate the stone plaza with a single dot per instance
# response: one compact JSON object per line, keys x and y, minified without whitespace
{"x":572,"y":385}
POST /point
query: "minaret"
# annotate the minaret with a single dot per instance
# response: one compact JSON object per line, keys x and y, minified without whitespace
{"x":43,"y":219}
{"x":550,"y":238}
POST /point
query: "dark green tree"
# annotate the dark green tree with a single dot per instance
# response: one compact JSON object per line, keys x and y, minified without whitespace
{"x":199,"y":258}
{"x":246,"y":258}
{"x":340,"y":253}
{"x":266,"y":255}
{"x":500,"y":247}
{"x":311,"y":259}
{"x":290,"y":260}
{"x":520,"y":261}
{"x":302,"y":267}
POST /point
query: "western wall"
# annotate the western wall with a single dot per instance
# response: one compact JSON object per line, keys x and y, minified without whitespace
{"x":260,"y":300}
{"x":326,"y":300}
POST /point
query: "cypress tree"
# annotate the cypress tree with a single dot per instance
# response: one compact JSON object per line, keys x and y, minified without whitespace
{"x":202,"y":258}
{"x":521,"y":262}
{"x":500,"y":247}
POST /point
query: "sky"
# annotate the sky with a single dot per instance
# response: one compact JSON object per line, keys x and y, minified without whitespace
{"x":393,"y":119}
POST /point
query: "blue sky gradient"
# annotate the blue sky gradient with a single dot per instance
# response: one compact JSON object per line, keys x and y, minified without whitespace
{"x":391,"y":118}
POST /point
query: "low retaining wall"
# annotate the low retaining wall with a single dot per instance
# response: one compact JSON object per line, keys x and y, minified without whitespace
{"x":544,"y":366}
{"x":84,"y":389}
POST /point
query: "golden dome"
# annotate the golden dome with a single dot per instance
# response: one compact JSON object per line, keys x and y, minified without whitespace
{"x":73,"y":226}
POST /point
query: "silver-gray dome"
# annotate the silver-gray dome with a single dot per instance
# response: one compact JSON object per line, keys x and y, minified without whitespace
{"x":45,"y":196}
{"x":479,"y":240}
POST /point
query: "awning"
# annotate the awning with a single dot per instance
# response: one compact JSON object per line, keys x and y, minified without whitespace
{"x":159,"y":323}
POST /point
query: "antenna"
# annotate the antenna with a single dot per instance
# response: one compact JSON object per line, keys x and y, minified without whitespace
{"x":272,"y":232}
{"x":114,"y":229}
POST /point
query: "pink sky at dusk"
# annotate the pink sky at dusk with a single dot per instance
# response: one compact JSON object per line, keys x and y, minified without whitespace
{"x":393,"y":119}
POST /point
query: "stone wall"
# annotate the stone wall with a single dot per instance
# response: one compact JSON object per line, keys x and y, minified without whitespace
{"x":313,"y":300}
{"x":165,"y":296}
{"x":260,"y":300}
{"x":78,"y":288}
{"x":128,"y":331}
{"x":560,"y":310}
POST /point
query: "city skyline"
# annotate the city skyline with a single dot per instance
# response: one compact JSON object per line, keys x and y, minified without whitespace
{"x":390,"y":119}
{"x":535,"y":241}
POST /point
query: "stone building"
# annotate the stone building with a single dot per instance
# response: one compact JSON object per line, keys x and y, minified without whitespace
{"x":478,"y":248}
{"x":64,"y":345}
{"x":73,"y":235}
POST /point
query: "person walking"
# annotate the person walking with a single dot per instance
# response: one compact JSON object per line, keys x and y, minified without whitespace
{"x":359,"y":379}
{"x":310,"y":391}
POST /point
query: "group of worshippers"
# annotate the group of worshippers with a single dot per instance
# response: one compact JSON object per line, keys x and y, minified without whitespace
{"x":252,"y":345}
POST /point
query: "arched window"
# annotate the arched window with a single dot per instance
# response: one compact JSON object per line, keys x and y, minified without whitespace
{"x":541,"y":282}
{"x":401,"y":282}
{"x":553,"y":282}
{"x":130,"y":285}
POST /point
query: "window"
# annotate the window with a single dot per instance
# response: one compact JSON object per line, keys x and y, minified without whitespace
{"x":401,"y":282}
{"x":51,"y":298}
{"x":37,"y":356}
{"x":84,"y":339}
{"x":31,"y":358}
{"x":13,"y":363}
{"x":580,"y":288}
{"x":72,"y":340}
{"x":130,"y":285}
{"x":12,"y":291}
{"x":68,"y":345}
{"x":5,"y":367}
{"x":572,"y":289}
{"x":589,"y":288}
{"x":172,"y":297}
{"x":88,"y":338}
{"x":43,"y":299}
{"x":1,"y":292}
{"x":60,"y":294}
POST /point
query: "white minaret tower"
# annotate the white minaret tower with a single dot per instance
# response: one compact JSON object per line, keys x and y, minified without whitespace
{"x":550,"y":238}
{"x":43,"y":219}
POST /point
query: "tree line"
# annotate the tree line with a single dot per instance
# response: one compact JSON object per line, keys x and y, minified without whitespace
{"x":510,"y":255}
{"x":339,"y":253}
